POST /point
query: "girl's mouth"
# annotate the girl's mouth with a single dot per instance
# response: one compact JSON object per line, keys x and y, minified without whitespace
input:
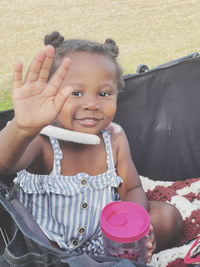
{"x":88,"y":122}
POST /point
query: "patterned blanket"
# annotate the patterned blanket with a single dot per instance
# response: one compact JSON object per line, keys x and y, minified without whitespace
{"x":185,"y":195}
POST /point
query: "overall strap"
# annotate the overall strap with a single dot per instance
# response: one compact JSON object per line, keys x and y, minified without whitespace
{"x":108,"y":146}
{"x":58,"y":155}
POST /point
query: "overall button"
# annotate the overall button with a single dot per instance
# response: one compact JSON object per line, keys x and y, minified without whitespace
{"x":84,"y":205}
{"x":75,"y":242}
{"x":81,"y":230}
{"x":84,"y":182}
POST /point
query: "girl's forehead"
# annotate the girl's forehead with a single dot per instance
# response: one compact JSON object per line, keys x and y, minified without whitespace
{"x":92,"y":58}
{"x":87,"y":62}
{"x":91,"y":69}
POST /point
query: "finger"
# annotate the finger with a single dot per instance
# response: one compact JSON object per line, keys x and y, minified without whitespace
{"x":149,"y":257}
{"x":149,"y":254}
{"x":17,"y":75}
{"x":151,"y":228}
{"x":149,"y":245}
{"x":46,"y":66}
{"x":60,"y":74}
{"x":61,"y":97}
{"x":35,"y":66}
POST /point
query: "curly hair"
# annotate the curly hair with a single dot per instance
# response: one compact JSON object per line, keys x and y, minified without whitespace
{"x":65,"y":47}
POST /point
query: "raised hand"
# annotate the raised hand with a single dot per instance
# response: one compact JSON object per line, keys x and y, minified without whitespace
{"x":37,"y":103}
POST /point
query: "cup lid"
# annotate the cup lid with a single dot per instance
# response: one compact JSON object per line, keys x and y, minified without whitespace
{"x":124,"y":222}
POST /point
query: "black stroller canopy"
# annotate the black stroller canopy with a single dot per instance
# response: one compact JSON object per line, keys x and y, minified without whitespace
{"x":159,"y":111}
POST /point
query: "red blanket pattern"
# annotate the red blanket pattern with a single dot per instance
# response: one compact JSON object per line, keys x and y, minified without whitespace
{"x":185,"y":195}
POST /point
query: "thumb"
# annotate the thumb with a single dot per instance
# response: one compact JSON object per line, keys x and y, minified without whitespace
{"x":62,"y":96}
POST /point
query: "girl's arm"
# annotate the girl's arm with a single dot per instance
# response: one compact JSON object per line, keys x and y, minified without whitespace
{"x":17,"y":148}
{"x":37,"y":103}
{"x":131,"y":188}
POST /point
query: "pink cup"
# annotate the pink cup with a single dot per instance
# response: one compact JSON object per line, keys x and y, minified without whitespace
{"x":125,"y":228}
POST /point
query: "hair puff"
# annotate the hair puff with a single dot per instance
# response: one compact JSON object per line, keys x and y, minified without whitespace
{"x":111,"y":45}
{"x":54,"y":39}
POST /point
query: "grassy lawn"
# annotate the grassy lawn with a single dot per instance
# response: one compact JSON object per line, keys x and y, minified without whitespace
{"x":149,"y":32}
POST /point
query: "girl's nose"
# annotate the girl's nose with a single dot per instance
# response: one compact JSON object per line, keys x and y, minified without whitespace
{"x":91,"y":103}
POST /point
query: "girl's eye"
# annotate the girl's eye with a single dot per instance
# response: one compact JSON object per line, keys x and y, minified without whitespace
{"x":104,"y":94}
{"x":77,"y":93}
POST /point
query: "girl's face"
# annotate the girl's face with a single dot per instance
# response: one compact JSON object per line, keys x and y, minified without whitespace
{"x":92,"y":104}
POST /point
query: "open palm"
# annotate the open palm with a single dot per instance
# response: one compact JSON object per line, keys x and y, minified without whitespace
{"x":37,"y":102}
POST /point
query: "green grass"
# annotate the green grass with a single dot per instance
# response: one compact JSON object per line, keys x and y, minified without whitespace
{"x":5,"y":100}
{"x":5,"y":95}
{"x":150,"y":32}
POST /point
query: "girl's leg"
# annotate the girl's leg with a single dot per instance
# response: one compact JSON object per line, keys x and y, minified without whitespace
{"x":167,"y":224}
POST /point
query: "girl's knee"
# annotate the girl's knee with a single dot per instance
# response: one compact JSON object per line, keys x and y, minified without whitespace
{"x":166,"y":214}
{"x":167,"y":222}
{"x":171,"y":216}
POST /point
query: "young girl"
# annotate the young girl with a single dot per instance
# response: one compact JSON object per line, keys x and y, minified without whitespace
{"x":65,"y":185}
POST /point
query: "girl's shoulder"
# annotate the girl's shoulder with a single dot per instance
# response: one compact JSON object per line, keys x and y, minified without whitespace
{"x":115,"y":130}
{"x":118,"y":136}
